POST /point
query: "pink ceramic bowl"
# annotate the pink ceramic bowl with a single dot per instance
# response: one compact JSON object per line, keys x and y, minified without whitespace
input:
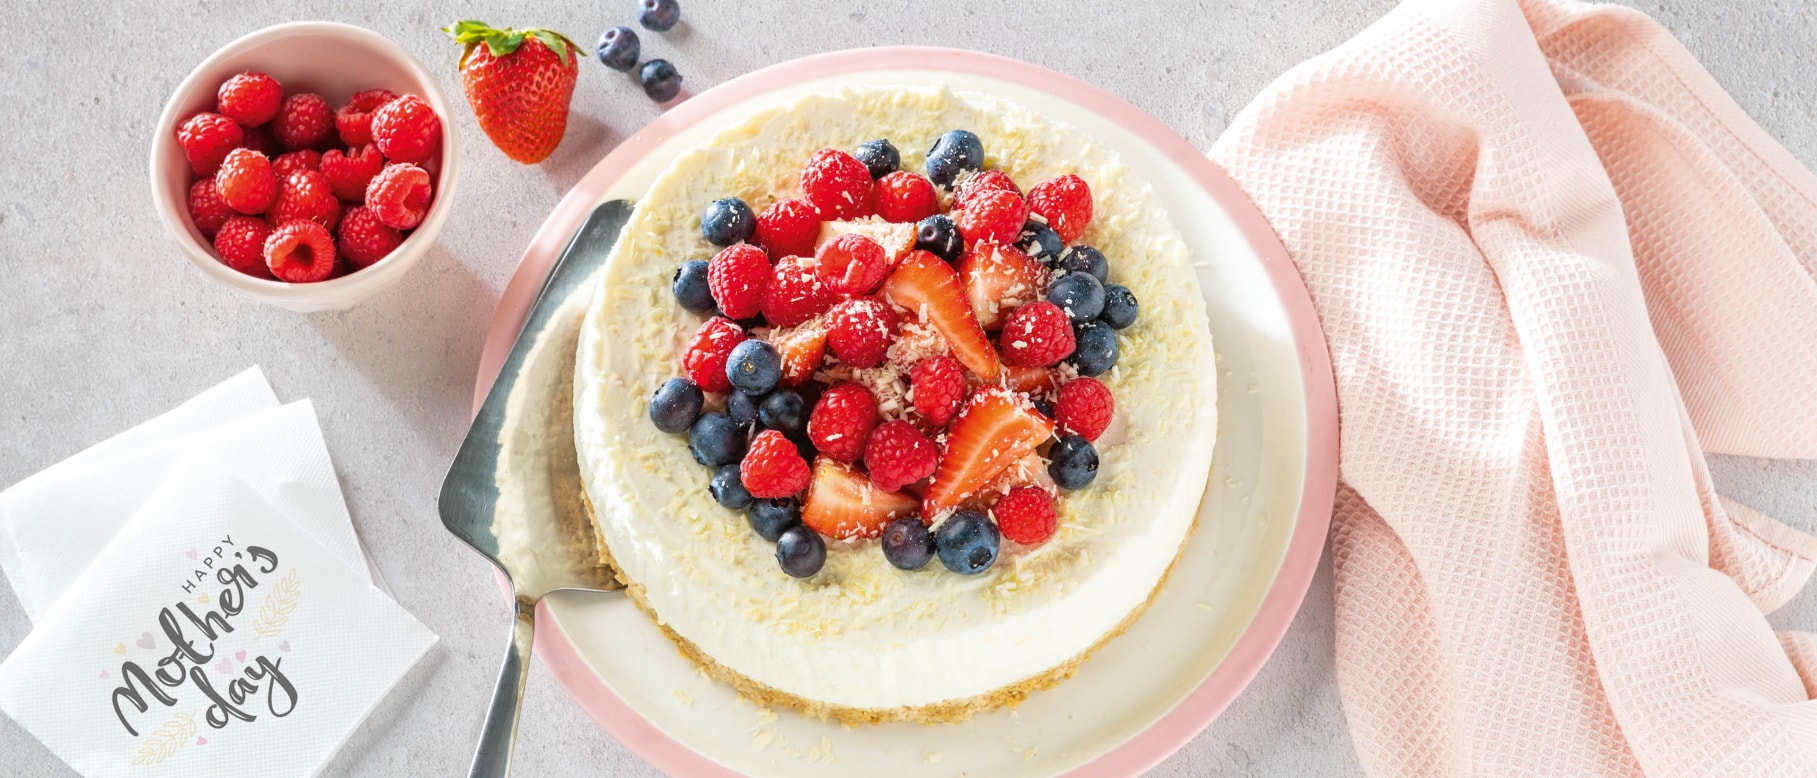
{"x":333,"y":60}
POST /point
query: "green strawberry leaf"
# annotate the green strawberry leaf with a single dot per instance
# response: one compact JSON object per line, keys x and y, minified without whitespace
{"x":556,"y":42}
{"x":503,"y":42}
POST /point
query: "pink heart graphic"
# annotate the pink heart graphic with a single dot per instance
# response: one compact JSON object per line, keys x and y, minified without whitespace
{"x":105,"y":674}
{"x":145,"y":641}
{"x":284,"y":645}
{"x":201,"y":741}
{"x":224,"y":667}
{"x":240,"y":656}
{"x":191,"y":554}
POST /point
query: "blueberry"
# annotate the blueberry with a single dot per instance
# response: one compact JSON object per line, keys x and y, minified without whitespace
{"x":1072,"y":462}
{"x":956,"y":152}
{"x":907,"y":543}
{"x":728,"y":221}
{"x":742,"y":408}
{"x":660,"y":80}
{"x":618,"y":48}
{"x":967,"y":543}
{"x":1041,"y":242}
{"x":800,"y":551}
{"x":772,"y":517}
{"x":658,"y":15}
{"x":754,"y":367}
{"x":784,"y":411}
{"x":939,"y":235}
{"x":728,"y":488}
{"x":1120,"y":307}
{"x":1078,"y":294}
{"x":715,"y":440}
{"x":1095,"y":348}
{"x":675,"y":405}
{"x":690,"y":286}
{"x":1085,"y":259}
{"x":880,"y":156}
{"x":1045,"y":406}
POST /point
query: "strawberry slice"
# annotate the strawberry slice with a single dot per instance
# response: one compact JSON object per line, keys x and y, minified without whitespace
{"x":842,"y":502}
{"x":930,"y":291}
{"x":1027,"y":380}
{"x":802,"y":348}
{"x":994,"y":431}
{"x":999,"y":279}
{"x":897,"y":240}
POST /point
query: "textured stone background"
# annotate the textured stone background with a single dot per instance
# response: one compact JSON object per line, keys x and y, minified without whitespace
{"x":103,"y":324}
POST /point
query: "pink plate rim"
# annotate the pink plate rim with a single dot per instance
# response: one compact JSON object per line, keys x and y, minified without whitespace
{"x":1194,"y":713}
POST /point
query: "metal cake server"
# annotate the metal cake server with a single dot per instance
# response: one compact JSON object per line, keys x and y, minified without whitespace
{"x":513,"y":492}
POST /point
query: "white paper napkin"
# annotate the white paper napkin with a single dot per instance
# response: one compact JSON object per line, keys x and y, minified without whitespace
{"x":252,"y":648}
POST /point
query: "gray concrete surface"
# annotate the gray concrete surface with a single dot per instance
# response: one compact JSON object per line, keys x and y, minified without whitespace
{"x":103,"y":324}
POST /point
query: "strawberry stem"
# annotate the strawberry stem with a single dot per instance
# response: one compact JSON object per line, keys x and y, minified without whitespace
{"x":502,"y":43}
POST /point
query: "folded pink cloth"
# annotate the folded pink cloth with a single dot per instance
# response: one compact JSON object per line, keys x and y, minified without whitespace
{"x":1556,"y":263}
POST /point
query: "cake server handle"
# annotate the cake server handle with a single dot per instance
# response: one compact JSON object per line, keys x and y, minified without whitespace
{"x":493,"y":757}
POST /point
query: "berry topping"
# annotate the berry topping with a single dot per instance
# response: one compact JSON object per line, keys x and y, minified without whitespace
{"x":788,"y":228}
{"x":675,"y":405}
{"x":306,"y":195}
{"x":399,"y":195}
{"x":774,"y":467}
{"x":842,"y":421}
{"x":988,"y":181}
{"x":939,"y":387}
{"x":658,"y":15}
{"x":350,"y":172}
{"x":300,"y":251}
{"x":851,"y":264}
{"x":799,"y":551}
{"x":771,"y":518}
{"x":1040,"y":242}
{"x":715,"y":440}
{"x":705,"y":357}
{"x":1065,"y":203}
{"x":241,"y":244}
{"x":737,"y":277}
{"x":207,"y":208}
{"x":660,"y":80}
{"x":250,"y":98}
{"x":879,"y":156}
{"x":1120,"y":307}
{"x":743,"y":407}
{"x":956,"y":152}
{"x":728,"y":221}
{"x":897,"y":240}
{"x":1072,"y":462}
{"x":939,"y":235}
{"x":363,"y":239}
{"x":907,"y":543}
{"x":354,"y":120}
{"x":802,"y":348}
{"x":930,"y":291}
{"x":246,"y":182}
{"x":993,"y":216}
{"x":992,"y":432}
{"x":1096,"y":350}
{"x":691,"y":287}
{"x":967,"y":543}
{"x":836,"y":184}
{"x":259,"y":139}
{"x":861,"y":330}
{"x":618,"y":48}
{"x":1085,"y":259}
{"x":519,"y":84}
{"x":406,"y":129}
{"x":784,"y":411}
{"x":296,"y":162}
{"x":842,"y":503}
{"x":754,"y":367}
{"x":1084,"y":408}
{"x":795,"y":293}
{"x":1079,"y":295}
{"x":1026,"y":515}
{"x":1036,"y":335}
{"x":727,"y":488}
{"x":304,"y":121}
{"x":1030,"y":380}
{"x":999,"y":279}
{"x":898,"y":455}
{"x":906,"y":197}
{"x":206,"y":138}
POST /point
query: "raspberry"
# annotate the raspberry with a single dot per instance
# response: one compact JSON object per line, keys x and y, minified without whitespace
{"x":1065,"y":203}
{"x":704,"y":359}
{"x":303,"y":122}
{"x":795,"y":294}
{"x":788,"y":228}
{"x":306,"y":195}
{"x":987,"y":181}
{"x":773,"y":467}
{"x":898,"y":455}
{"x":737,"y":277}
{"x":250,"y":98}
{"x":400,"y":195}
{"x":206,"y":138}
{"x":406,"y":129}
{"x":300,"y":251}
{"x":241,"y":245}
{"x":861,"y":331}
{"x":363,"y":239}
{"x":1037,"y":335}
{"x":207,"y":208}
{"x":940,"y":387}
{"x":296,"y":162}
{"x":992,"y":216}
{"x":842,"y":421}
{"x":354,"y":120}
{"x":259,"y":139}
{"x":1084,"y":408}
{"x":350,"y":172}
{"x":246,"y":182}
{"x":851,"y":264}
{"x":836,"y":184}
{"x":906,"y":197}
{"x":1026,"y":515}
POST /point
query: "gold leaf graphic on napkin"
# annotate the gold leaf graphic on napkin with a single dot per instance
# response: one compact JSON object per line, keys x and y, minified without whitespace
{"x":165,"y":740}
{"x":278,"y":606}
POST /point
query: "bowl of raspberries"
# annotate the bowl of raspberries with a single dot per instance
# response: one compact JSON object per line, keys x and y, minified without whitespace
{"x":307,"y":165}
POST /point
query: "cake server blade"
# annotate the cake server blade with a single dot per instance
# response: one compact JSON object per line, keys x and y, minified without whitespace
{"x":513,"y":492}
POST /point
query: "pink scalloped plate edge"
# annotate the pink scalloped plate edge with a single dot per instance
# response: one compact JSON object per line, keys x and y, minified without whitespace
{"x":1194,"y":713}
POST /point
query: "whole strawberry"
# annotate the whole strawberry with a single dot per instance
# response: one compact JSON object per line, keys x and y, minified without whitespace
{"x":519,"y":83}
